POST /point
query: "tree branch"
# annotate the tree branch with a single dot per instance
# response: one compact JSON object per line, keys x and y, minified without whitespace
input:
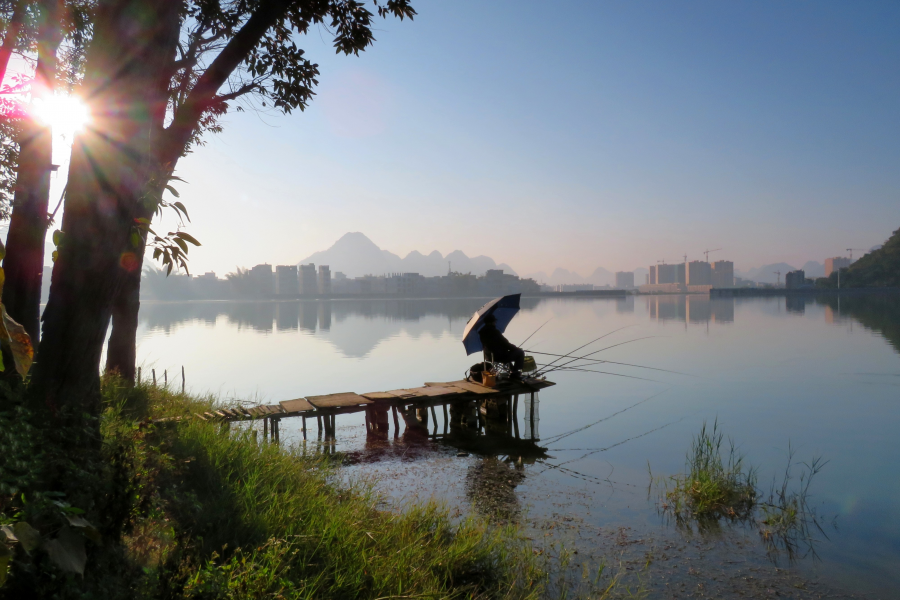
{"x":244,"y":89}
{"x":204,"y":92}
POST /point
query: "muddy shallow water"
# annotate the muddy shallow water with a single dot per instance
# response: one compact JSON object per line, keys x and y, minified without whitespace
{"x":821,"y":377}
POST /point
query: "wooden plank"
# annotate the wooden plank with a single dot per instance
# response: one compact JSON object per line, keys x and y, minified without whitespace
{"x":379,"y":396}
{"x":273,"y":409}
{"x":468,"y":386}
{"x":345,"y":399}
{"x":434,"y":391}
{"x":297,"y":405}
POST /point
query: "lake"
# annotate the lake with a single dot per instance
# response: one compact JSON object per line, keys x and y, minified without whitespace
{"x":816,"y":377}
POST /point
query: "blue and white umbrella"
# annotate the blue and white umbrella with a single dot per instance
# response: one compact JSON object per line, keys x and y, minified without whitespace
{"x":503,"y":309}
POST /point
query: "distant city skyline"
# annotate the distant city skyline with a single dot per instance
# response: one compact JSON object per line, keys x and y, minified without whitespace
{"x":597,"y":134}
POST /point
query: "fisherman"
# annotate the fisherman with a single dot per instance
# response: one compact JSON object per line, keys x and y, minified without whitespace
{"x":499,"y":348}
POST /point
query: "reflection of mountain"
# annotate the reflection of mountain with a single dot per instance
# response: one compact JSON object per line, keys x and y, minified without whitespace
{"x":355,"y":255}
{"x":877,"y":312}
{"x":355,"y":327}
{"x":691,"y":309}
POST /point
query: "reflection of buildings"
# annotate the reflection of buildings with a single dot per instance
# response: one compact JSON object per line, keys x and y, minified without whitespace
{"x":795,"y":304}
{"x":876,"y":312}
{"x":691,"y":309}
{"x":287,"y":315}
{"x":625,"y":304}
{"x":309,"y":313}
{"x":386,"y":316}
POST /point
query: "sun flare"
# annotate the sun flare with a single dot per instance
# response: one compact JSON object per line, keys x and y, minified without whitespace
{"x":67,"y":115}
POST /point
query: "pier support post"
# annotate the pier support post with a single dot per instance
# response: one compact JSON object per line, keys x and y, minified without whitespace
{"x":396,"y":422}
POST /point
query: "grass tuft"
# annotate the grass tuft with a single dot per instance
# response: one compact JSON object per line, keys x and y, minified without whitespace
{"x":716,"y":485}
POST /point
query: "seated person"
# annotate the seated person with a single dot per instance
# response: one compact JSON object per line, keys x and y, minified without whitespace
{"x":498,"y":348}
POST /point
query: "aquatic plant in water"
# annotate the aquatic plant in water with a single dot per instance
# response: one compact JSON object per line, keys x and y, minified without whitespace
{"x":719,"y":487}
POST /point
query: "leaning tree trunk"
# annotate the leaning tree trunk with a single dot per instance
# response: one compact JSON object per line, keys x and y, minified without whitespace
{"x":133,"y":42}
{"x":24,"y":262}
{"x":121,"y":351}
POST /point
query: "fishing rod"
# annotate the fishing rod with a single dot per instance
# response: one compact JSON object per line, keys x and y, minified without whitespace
{"x":606,"y":373}
{"x":589,"y":343}
{"x":612,"y":362}
{"x":535,"y":331}
{"x":596,"y":351}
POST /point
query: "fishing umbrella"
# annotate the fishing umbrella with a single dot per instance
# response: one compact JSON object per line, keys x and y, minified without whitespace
{"x":503,"y":309}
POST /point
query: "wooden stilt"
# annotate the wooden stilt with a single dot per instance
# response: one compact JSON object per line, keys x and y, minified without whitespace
{"x":154,"y":377}
{"x":433,"y":419}
{"x":368,"y":422}
{"x":266,"y":429}
{"x":396,"y":421}
{"x":446,"y":419}
{"x":182,"y":379}
{"x":304,"y":428}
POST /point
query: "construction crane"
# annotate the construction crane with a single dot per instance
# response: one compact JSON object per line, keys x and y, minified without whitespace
{"x":779,"y":276}
{"x":850,"y":250}
{"x":706,"y":252}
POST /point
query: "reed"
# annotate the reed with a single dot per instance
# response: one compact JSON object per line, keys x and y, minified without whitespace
{"x":716,"y":484}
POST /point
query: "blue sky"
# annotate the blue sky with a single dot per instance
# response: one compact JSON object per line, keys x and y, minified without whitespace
{"x":574,"y":135}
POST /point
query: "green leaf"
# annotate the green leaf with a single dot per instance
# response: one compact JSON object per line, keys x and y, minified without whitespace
{"x":2,"y":251}
{"x":54,"y":255}
{"x":5,"y":556}
{"x":27,"y":535}
{"x":57,"y":237}
{"x":14,"y":337}
{"x":67,"y":551}
{"x":181,"y":243}
{"x":135,"y":239}
{"x":173,"y":191}
{"x":188,"y":238}
{"x":181,"y":207}
{"x":89,"y":531}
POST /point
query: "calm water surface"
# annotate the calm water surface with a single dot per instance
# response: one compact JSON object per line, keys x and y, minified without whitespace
{"x":821,"y":376}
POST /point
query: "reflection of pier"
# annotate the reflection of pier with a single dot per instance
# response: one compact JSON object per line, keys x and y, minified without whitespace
{"x":694,"y":309}
{"x":467,"y":408}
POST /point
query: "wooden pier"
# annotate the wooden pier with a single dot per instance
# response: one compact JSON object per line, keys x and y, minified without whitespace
{"x":468,"y":402}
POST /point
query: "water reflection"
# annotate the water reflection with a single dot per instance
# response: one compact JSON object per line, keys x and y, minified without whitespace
{"x":877,"y":312}
{"x":694,"y":309}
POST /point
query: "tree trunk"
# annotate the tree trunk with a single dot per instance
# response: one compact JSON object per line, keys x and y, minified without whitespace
{"x":12,"y":36}
{"x":121,"y":350}
{"x":134,"y":41}
{"x":24,"y":262}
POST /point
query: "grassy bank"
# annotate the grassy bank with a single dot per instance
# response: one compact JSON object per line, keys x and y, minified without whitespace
{"x":200,"y":511}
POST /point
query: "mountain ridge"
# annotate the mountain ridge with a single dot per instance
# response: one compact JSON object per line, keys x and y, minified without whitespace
{"x":355,"y":255}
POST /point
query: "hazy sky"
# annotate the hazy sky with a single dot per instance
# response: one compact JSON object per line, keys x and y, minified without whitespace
{"x":548,"y":134}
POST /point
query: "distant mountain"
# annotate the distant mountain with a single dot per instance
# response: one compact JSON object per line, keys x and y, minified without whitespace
{"x":356,"y":255}
{"x":766,"y":273}
{"x":814,"y":269}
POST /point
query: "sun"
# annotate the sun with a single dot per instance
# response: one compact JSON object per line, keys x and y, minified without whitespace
{"x":66,"y":115}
